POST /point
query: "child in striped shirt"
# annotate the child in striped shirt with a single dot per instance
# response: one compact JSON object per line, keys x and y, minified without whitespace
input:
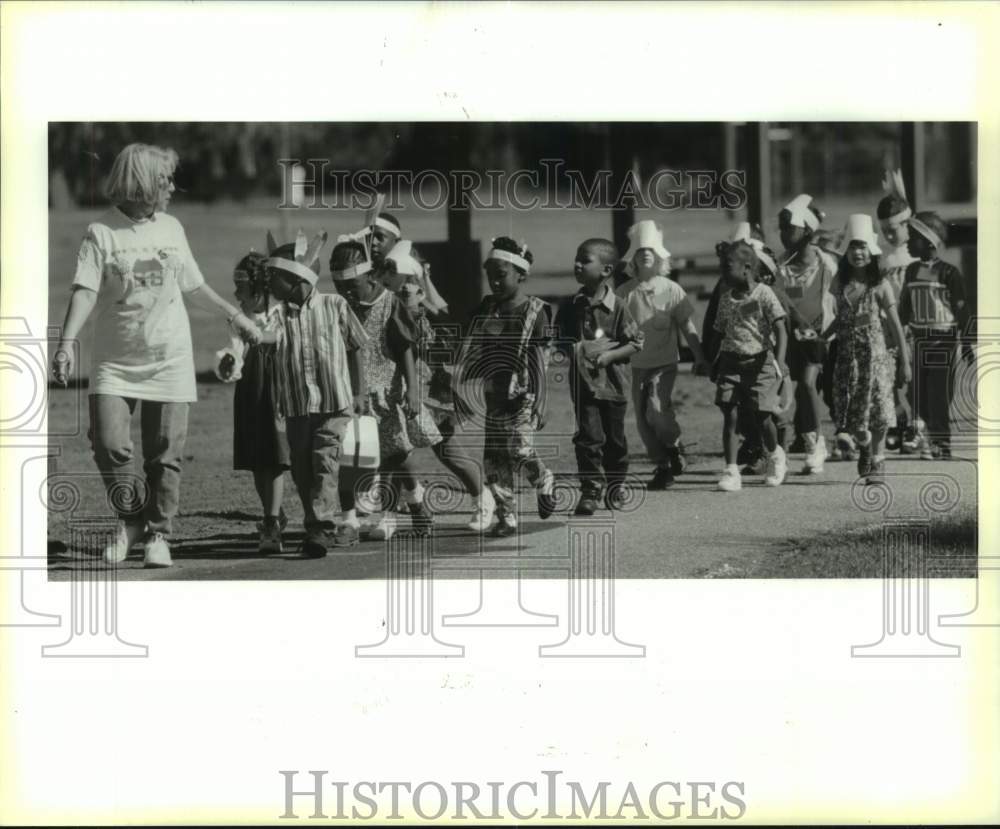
{"x":318,"y":385}
{"x":932,"y":303}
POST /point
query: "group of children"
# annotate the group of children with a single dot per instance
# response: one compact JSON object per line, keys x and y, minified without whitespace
{"x":845,"y":325}
{"x":839,"y":326}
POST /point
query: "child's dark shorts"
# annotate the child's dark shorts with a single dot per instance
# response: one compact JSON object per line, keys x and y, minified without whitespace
{"x":802,"y":353}
{"x":751,"y":380}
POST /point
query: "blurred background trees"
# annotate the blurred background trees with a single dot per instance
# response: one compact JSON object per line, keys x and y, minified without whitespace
{"x":238,"y":161}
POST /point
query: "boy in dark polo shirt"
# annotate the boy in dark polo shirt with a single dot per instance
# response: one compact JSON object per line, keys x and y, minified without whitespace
{"x":605,"y":336}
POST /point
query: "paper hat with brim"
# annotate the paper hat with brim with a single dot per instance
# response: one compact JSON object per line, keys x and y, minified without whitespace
{"x":744,"y":233}
{"x":799,"y":213}
{"x":859,"y":228}
{"x":645,"y":234}
{"x":306,"y":254}
{"x":402,"y":257}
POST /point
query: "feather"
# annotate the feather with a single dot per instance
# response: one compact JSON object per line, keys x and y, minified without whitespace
{"x":272,"y":246}
{"x":300,"y":245}
{"x":315,"y":246}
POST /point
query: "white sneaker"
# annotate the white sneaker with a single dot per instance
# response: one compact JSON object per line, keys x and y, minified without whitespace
{"x":816,"y":456}
{"x":383,"y":530}
{"x":777,"y":467}
{"x":482,"y":515}
{"x":157,"y":551}
{"x":125,"y":536}
{"x":730,"y":480}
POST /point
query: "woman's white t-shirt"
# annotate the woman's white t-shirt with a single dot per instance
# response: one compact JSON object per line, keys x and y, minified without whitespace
{"x":142,"y":338}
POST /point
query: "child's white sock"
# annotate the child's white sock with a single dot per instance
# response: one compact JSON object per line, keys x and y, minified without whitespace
{"x":350,"y":517}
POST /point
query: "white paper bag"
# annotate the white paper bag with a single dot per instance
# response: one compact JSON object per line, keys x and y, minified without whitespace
{"x":360,"y":449}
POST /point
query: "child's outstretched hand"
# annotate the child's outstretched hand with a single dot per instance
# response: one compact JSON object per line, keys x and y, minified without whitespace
{"x":539,"y":413}
{"x":359,"y":404}
{"x":411,"y":402}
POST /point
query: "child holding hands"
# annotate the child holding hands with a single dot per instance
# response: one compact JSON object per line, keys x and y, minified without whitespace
{"x":865,"y":370}
{"x":259,"y":444}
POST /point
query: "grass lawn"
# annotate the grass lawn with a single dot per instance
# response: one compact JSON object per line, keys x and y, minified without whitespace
{"x":857,"y":553}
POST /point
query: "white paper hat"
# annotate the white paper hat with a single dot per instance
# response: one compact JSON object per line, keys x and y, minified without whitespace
{"x":801,"y":215}
{"x":743,"y":233}
{"x":645,"y":234}
{"x":859,"y":228}
{"x":402,"y":257}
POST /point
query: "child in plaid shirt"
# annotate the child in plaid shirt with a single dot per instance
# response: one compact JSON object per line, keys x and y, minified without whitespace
{"x":605,"y":336}
{"x":318,"y":385}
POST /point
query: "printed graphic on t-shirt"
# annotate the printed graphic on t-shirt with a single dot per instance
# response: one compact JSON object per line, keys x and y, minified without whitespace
{"x":930,"y":304}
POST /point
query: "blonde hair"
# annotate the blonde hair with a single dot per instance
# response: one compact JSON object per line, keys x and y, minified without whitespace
{"x":136,"y":174}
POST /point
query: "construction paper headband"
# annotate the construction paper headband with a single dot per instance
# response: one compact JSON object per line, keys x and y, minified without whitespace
{"x":306,"y":254}
{"x":385,"y":224}
{"x":513,"y":258}
{"x":801,"y":215}
{"x":926,"y":232}
{"x":892,"y":185}
{"x":294,"y":268}
{"x":353,"y":272}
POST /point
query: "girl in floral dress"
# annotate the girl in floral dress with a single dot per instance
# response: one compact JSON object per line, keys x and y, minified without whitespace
{"x":865,"y":371}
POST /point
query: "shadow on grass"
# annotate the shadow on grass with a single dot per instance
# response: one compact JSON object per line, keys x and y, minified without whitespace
{"x":858,"y":553}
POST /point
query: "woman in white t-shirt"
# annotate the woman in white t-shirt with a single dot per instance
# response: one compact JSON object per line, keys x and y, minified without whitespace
{"x":134,"y":268}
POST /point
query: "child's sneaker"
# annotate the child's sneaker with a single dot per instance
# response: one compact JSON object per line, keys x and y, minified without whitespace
{"x":910,"y":443}
{"x":846,"y":450}
{"x":270,"y":537}
{"x":777,"y":467}
{"x":876,"y":472}
{"x":944,"y":450}
{"x":346,"y":535}
{"x":893,"y":439}
{"x":506,"y":524}
{"x":383,"y":529}
{"x":816,"y":454}
{"x":546,"y":495}
{"x":587,"y":505}
{"x":482,"y":512}
{"x":126,"y":534}
{"x":730,"y":480}
{"x":663,"y":478}
{"x":157,"y":551}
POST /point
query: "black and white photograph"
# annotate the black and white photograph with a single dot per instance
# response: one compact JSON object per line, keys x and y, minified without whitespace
{"x":721,"y":338}
{"x":499,"y":413}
